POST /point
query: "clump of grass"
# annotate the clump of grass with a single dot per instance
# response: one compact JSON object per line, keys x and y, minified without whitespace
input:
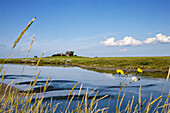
{"x":138,"y":107}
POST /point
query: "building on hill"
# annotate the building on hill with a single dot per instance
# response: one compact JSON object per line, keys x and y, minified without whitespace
{"x":58,"y":54}
{"x":68,"y":53}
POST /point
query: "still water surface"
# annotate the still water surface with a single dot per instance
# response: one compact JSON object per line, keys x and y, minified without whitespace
{"x":63,"y":79}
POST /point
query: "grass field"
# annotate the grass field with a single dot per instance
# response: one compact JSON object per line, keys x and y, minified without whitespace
{"x":104,"y":64}
{"x":119,"y":62}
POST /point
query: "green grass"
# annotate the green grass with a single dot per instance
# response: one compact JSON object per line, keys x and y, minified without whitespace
{"x":104,"y":64}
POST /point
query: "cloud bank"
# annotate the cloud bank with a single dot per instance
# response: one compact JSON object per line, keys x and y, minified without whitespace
{"x":130,"y":41}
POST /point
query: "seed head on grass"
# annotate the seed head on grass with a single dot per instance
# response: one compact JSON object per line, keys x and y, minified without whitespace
{"x":22,"y":33}
{"x":134,"y":79}
{"x":30,"y":45}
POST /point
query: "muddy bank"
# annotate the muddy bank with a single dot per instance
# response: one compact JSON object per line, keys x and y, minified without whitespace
{"x":105,"y":69}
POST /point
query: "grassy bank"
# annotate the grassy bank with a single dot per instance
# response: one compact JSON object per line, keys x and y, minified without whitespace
{"x":104,"y":64}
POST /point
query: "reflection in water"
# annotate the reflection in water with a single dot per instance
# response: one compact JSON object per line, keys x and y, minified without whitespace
{"x":62,"y":81}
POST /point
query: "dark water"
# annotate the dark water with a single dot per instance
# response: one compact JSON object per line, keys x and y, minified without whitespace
{"x":63,"y":79}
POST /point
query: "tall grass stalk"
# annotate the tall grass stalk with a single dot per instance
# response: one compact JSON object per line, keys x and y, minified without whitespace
{"x":2,"y":78}
{"x":17,"y":40}
{"x":9,"y":58}
{"x":27,"y":55}
{"x":22,"y":33}
{"x":70,"y":94}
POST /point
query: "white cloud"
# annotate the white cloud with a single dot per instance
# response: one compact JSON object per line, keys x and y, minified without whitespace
{"x":150,"y":41}
{"x":123,"y":50}
{"x":163,"y":38}
{"x":125,"y":42}
{"x":130,"y":41}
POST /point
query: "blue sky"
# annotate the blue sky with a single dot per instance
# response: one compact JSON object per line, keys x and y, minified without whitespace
{"x":85,"y":26}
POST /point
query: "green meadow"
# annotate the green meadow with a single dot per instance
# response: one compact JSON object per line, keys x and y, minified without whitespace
{"x":103,"y":64}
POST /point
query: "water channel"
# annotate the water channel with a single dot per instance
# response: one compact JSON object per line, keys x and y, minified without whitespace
{"x":64,"y":78}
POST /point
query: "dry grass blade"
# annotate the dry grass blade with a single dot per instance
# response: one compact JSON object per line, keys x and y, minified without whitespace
{"x":51,"y":102}
{"x":46,"y":85}
{"x":26,"y":57}
{"x":30,"y":100}
{"x":142,"y":105}
{"x":155,"y":100}
{"x":121,"y":101}
{"x":6,"y":101}
{"x":127,"y":107}
{"x":35,"y":80}
{"x":95,"y":108}
{"x":16,"y":53}
{"x":5,"y":91}
{"x":139,"y":98}
{"x":27,"y":102}
{"x":86,"y":101}
{"x":118,"y":100}
{"x":70,"y":94}
{"x":166,"y":81}
{"x":102,"y":110}
{"x":73,"y":89}
{"x":55,"y":107}
{"x":101,"y":98}
{"x":92,"y":102}
{"x":22,"y":33}
{"x":92,"y":92}
{"x":35,"y":103}
{"x":46,"y":110}
{"x":149,"y":105}
{"x":39,"y":103}
{"x":69,"y":103}
{"x":165,"y":103}
{"x":157,"y":106}
{"x":17,"y":104}
{"x":78,"y":98}
{"x":80,"y":89}
{"x":30,"y":46}
{"x":131,"y":104}
{"x":42,"y":109}
{"x":39,"y":61}
{"x":11,"y":87}
{"x":168,"y":75}
{"x":15,"y":43}
{"x":81,"y":104}
{"x":9,"y":58}
{"x":24,"y":94}
{"x":2,"y":78}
